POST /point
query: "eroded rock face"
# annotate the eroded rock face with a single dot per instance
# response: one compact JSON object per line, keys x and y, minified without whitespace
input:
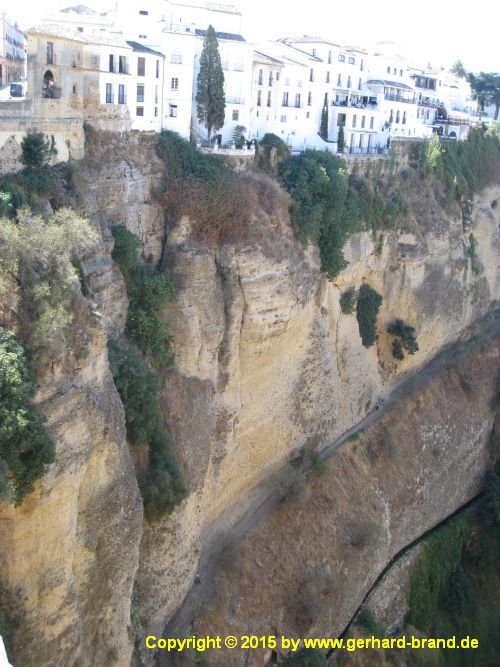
{"x":267,"y":363}
{"x":306,"y":568}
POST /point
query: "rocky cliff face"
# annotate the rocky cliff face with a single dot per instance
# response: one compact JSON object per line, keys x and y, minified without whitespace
{"x":265,"y":364}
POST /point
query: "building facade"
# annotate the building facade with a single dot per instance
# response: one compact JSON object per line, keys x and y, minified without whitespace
{"x":12,"y":52}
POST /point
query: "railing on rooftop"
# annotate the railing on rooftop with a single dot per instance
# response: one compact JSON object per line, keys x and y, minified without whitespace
{"x":399,"y":98}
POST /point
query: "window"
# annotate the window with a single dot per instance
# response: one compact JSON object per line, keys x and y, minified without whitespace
{"x":308,"y":115}
{"x":277,"y":76}
{"x":142,"y":36}
{"x":139,"y":111}
{"x":143,"y":12}
{"x":297,"y":100}
{"x":260,"y":77}
{"x":394,"y":71}
{"x":351,"y":60}
{"x":388,"y":70}
{"x":282,"y":119}
{"x":157,"y":69}
{"x":348,"y":81}
{"x":74,"y":89}
{"x":329,"y":57}
{"x":269,"y":98}
{"x":328,"y":77}
{"x":176,"y":59}
{"x":309,"y":99}
{"x":172,"y":111}
{"x":156,"y":112}
{"x":397,"y":117}
{"x":341,"y":119}
{"x":285,"y":100}
{"x":427,"y":114}
{"x":372,"y":121}
{"x":391,"y":116}
{"x":156,"y":94}
{"x":111,"y":62}
{"x":80,"y":29}
{"x":122,"y":64}
{"x":50,"y":53}
{"x":311,"y":75}
{"x":141,"y":66}
{"x":140,"y":93}
{"x":109,"y":93}
{"x":341,"y":58}
{"x":359,"y":84}
{"x":404,"y":117}
{"x":354,"y":118}
{"x":339,"y":80}
{"x":236,"y":114}
{"x":314,"y":52}
{"x":259,"y":98}
{"x":400,"y":72}
{"x":362,"y":65}
{"x":363,"y":121}
{"x":270,"y":78}
{"x":174,"y":83}
{"x":121,"y":94}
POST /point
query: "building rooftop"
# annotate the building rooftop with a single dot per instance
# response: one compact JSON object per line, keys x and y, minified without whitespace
{"x":140,"y":48}
{"x":53,"y":30}
{"x":222,"y":35}
{"x":211,"y":6}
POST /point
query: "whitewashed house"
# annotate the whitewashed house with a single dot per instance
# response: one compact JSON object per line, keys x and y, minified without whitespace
{"x":266,"y":96}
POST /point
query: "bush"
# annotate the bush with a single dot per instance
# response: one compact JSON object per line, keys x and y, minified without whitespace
{"x":162,"y":484}
{"x":405,"y":338}
{"x":306,"y":657}
{"x":348,"y":300}
{"x":430,"y":576}
{"x":324,"y":211}
{"x":365,"y":621}
{"x":149,"y":291}
{"x":26,"y":449}
{"x":490,"y":506}
{"x":37,"y":149}
{"x":36,"y":256}
{"x":369,"y":302}
{"x":239,"y":136}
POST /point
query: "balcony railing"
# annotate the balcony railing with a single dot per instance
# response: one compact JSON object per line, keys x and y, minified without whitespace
{"x":440,"y":120}
{"x":51,"y":92}
{"x":399,"y":98}
{"x":428,"y":102}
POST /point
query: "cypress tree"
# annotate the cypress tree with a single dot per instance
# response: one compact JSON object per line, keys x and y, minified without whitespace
{"x":340,"y":140}
{"x":323,"y":130}
{"x":210,"y":100}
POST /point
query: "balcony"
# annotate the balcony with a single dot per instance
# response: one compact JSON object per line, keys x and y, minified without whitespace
{"x":399,"y":98}
{"x":429,"y":102}
{"x":51,"y":92}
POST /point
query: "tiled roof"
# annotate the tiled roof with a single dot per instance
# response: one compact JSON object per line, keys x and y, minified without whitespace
{"x":140,"y":48}
{"x":222,"y":35}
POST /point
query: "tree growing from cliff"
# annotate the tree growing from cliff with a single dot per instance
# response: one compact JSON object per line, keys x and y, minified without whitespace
{"x":369,"y":302}
{"x":210,"y":99}
{"x":36,"y":149}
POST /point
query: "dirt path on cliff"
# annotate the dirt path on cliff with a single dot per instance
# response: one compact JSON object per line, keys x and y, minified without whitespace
{"x":266,"y":498}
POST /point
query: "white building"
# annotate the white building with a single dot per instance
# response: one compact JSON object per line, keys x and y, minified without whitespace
{"x":12,"y":52}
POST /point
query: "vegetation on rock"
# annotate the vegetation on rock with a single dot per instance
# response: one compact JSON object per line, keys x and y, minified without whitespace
{"x":348,"y":300}
{"x":404,"y":339}
{"x":369,"y":302}
{"x":26,"y":449}
{"x":162,"y":485}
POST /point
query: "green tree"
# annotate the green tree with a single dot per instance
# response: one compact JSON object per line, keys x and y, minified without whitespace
{"x":210,"y":100}
{"x":36,"y":149}
{"x":486,"y":89}
{"x":26,"y":449}
{"x":340,"y":140}
{"x":239,"y":136}
{"x":458,"y":69}
{"x":369,"y":302}
{"x":323,"y":130}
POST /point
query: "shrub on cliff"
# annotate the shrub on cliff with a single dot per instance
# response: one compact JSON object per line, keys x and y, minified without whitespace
{"x":26,"y":449}
{"x":149,"y":291}
{"x":369,"y":302}
{"x":324,"y":210}
{"x":36,"y":263}
{"x":404,"y":338}
{"x":306,"y":657}
{"x":267,"y":159}
{"x":162,"y":485}
{"x":348,"y":300}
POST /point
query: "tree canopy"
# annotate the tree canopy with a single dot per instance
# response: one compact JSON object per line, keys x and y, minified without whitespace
{"x":210,"y":99}
{"x":486,"y":89}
